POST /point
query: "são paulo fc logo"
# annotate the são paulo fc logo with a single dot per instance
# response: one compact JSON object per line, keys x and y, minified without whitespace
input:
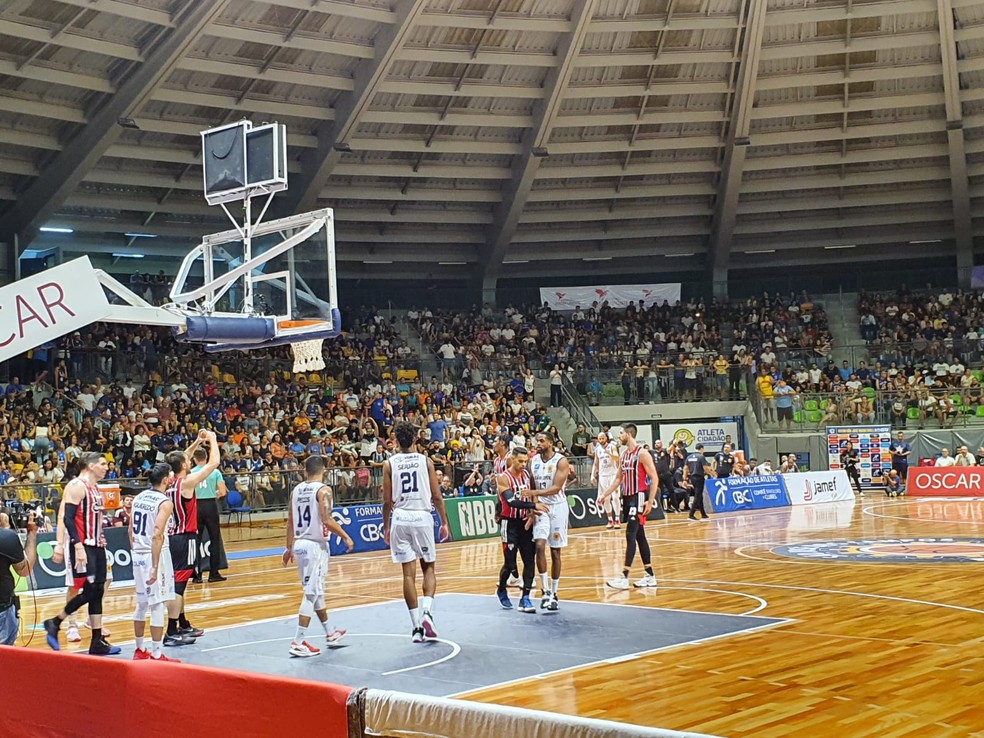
{"x":889,"y":550}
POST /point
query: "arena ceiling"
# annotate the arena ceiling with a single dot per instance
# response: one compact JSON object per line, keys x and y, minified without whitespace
{"x":457,"y":138}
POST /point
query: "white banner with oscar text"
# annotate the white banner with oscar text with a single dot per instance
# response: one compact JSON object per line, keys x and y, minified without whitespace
{"x":46,"y":306}
{"x":616,"y":295}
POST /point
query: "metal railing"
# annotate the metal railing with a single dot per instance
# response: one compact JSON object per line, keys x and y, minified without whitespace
{"x":665,"y":385}
{"x":813,"y":411}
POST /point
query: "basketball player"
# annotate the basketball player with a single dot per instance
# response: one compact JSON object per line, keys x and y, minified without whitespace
{"x":410,"y":491}
{"x":73,"y":584}
{"x":550,"y":470}
{"x":153,"y":574}
{"x":635,"y":470}
{"x":512,"y":485}
{"x":603,"y":473}
{"x":309,"y":527}
{"x":501,"y":462}
{"x":183,"y":540}
{"x":83,"y":521}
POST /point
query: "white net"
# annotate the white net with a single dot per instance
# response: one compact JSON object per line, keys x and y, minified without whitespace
{"x":308,"y":356}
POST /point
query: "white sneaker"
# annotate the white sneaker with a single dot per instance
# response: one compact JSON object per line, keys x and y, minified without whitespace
{"x":72,"y":634}
{"x":514,"y":582}
{"x":303,"y":649}
{"x":647,"y":581}
{"x":418,"y":635}
{"x":427,"y":625}
{"x":618,"y":583}
{"x":335,"y":636}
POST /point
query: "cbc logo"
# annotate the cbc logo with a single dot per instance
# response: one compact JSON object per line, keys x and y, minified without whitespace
{"x":741,"y":497}
{"x":371,"y":532}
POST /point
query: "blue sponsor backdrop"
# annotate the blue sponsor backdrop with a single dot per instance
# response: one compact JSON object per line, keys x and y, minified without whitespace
{"x":747,"y":493}
{"x":364,"y":523}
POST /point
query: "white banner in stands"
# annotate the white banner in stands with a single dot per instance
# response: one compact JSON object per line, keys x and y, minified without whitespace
{"x":48,"y":305}
{"x":616,"y":295}
{"x":812,"y":488}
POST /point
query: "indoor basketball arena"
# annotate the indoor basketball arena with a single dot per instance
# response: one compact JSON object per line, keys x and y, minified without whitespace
{"x":480,"y":368}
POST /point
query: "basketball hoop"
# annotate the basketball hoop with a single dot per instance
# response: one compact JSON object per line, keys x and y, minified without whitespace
{"x":308,"y":356}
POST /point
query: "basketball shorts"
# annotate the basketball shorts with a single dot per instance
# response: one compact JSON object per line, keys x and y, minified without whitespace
{"x":162,"y":590}
{"x":551,"y":526}
{"x":71,"y":578}
{"x":184,"y":553}
{"x":312,"y":564}
{"x":515,"y":532}
{"x":412,"y":537}
{"x":632,"y":505}
{"x":95,"y":568}
{"x":604,"y":482}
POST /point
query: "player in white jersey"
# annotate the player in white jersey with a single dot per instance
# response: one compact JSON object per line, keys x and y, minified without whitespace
{"x":550,"y":471}
{"x":410,"y":492}
{"x":309,"y":528}
{"x":153,"y":572}
{"x":603,"y":472}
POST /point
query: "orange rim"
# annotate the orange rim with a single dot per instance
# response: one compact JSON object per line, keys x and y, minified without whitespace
{"x":288,"y":324}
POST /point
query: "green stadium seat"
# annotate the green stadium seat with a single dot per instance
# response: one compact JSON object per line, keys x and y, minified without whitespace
{"x":810,"y":405}
{"x":913,"y":413}
{"x":814,"y":416}
{"x":798,"y":416}
{"x":980,"y":411}
{"x":869,"y":392}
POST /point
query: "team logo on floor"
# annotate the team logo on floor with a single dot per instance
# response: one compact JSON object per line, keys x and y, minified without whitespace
{"x":889,"y":550}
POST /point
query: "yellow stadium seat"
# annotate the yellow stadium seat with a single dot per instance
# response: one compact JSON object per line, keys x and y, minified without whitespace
{"x":216,"y":372}
{"x":388,"y":375}
{"x":314,"y":377}
{"x":406,"y":375}
{"x":228,"y":379}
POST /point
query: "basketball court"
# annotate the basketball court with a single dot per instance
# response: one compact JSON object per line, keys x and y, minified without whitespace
{"x":840,"y":619}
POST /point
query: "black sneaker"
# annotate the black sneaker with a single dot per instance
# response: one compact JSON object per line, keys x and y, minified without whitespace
{"x":178,"y":639}
{"x":51,"y":628}
{"x":197,"y":579}
{"x":103,"y":648}
{"x":217,"y":578}
{"x":191,"y":631}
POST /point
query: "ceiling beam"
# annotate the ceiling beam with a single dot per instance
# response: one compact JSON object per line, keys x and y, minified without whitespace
{"x":535,"y":140}
{"x":736,"y":145}
{"x":48,"y":192}
{"x":24,"y":29}
{"x":959,"y":185}
{"x":305,"y":190}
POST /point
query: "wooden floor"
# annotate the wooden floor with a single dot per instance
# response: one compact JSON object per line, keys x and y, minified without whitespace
{"x":875,"y":649}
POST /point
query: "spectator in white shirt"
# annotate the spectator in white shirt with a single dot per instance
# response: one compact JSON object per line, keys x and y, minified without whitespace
{"x":945,"y":459}
{"x":964,"y":458}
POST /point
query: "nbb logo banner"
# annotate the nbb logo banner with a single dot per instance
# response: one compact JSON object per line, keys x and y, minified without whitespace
{"x":472,"y":517}
{"x":811,"y":488}
{"x":948,"y":481}
{"x":730,"y":494}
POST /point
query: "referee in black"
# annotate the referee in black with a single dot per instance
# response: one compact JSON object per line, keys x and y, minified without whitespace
{"x":724,"y":461}
{"x":696,"y":470}
{"x":661,"y":458}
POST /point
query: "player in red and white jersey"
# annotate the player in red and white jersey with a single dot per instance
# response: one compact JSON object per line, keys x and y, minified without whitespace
{"x":500,"y":463}
{"x":309,"y":527}
{"x":516,"y":510}
{"x":83,"y":519}
{"x":153,"y":575}
{"x":550,"y":471}
{"x":636,"y":471}
{"x":183,"y":542}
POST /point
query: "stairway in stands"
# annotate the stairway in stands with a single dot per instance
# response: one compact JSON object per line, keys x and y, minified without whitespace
{"x":845,"y":330}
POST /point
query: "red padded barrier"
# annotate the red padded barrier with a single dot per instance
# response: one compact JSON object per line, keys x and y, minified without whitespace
{"x":64,"y":694}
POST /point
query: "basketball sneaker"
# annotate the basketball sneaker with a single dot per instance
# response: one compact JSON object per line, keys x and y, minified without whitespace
{"x":178,"y":639}
{"x":303,"y":649}
{"x":618,"y":583}
{"x":553,"y":606}
{"x":51,"y":628}
{"x":418,"y":635}
{"x":162,"y":657}
{"x":191,"y":631}
{"x":427,"y":623}
{"x":73,"y":635}
{"x":141,"y":654}
{"x":544,"y":600}
{"x":504,"y":600}
{"x":514,"y":581}
{"x":525,"y":605}
{"x":335,"y":636}
{"x":647,"y":581}
{"x":103,"y":648}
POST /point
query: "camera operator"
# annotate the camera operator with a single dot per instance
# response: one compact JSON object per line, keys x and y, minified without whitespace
{"x":13,"y":558}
